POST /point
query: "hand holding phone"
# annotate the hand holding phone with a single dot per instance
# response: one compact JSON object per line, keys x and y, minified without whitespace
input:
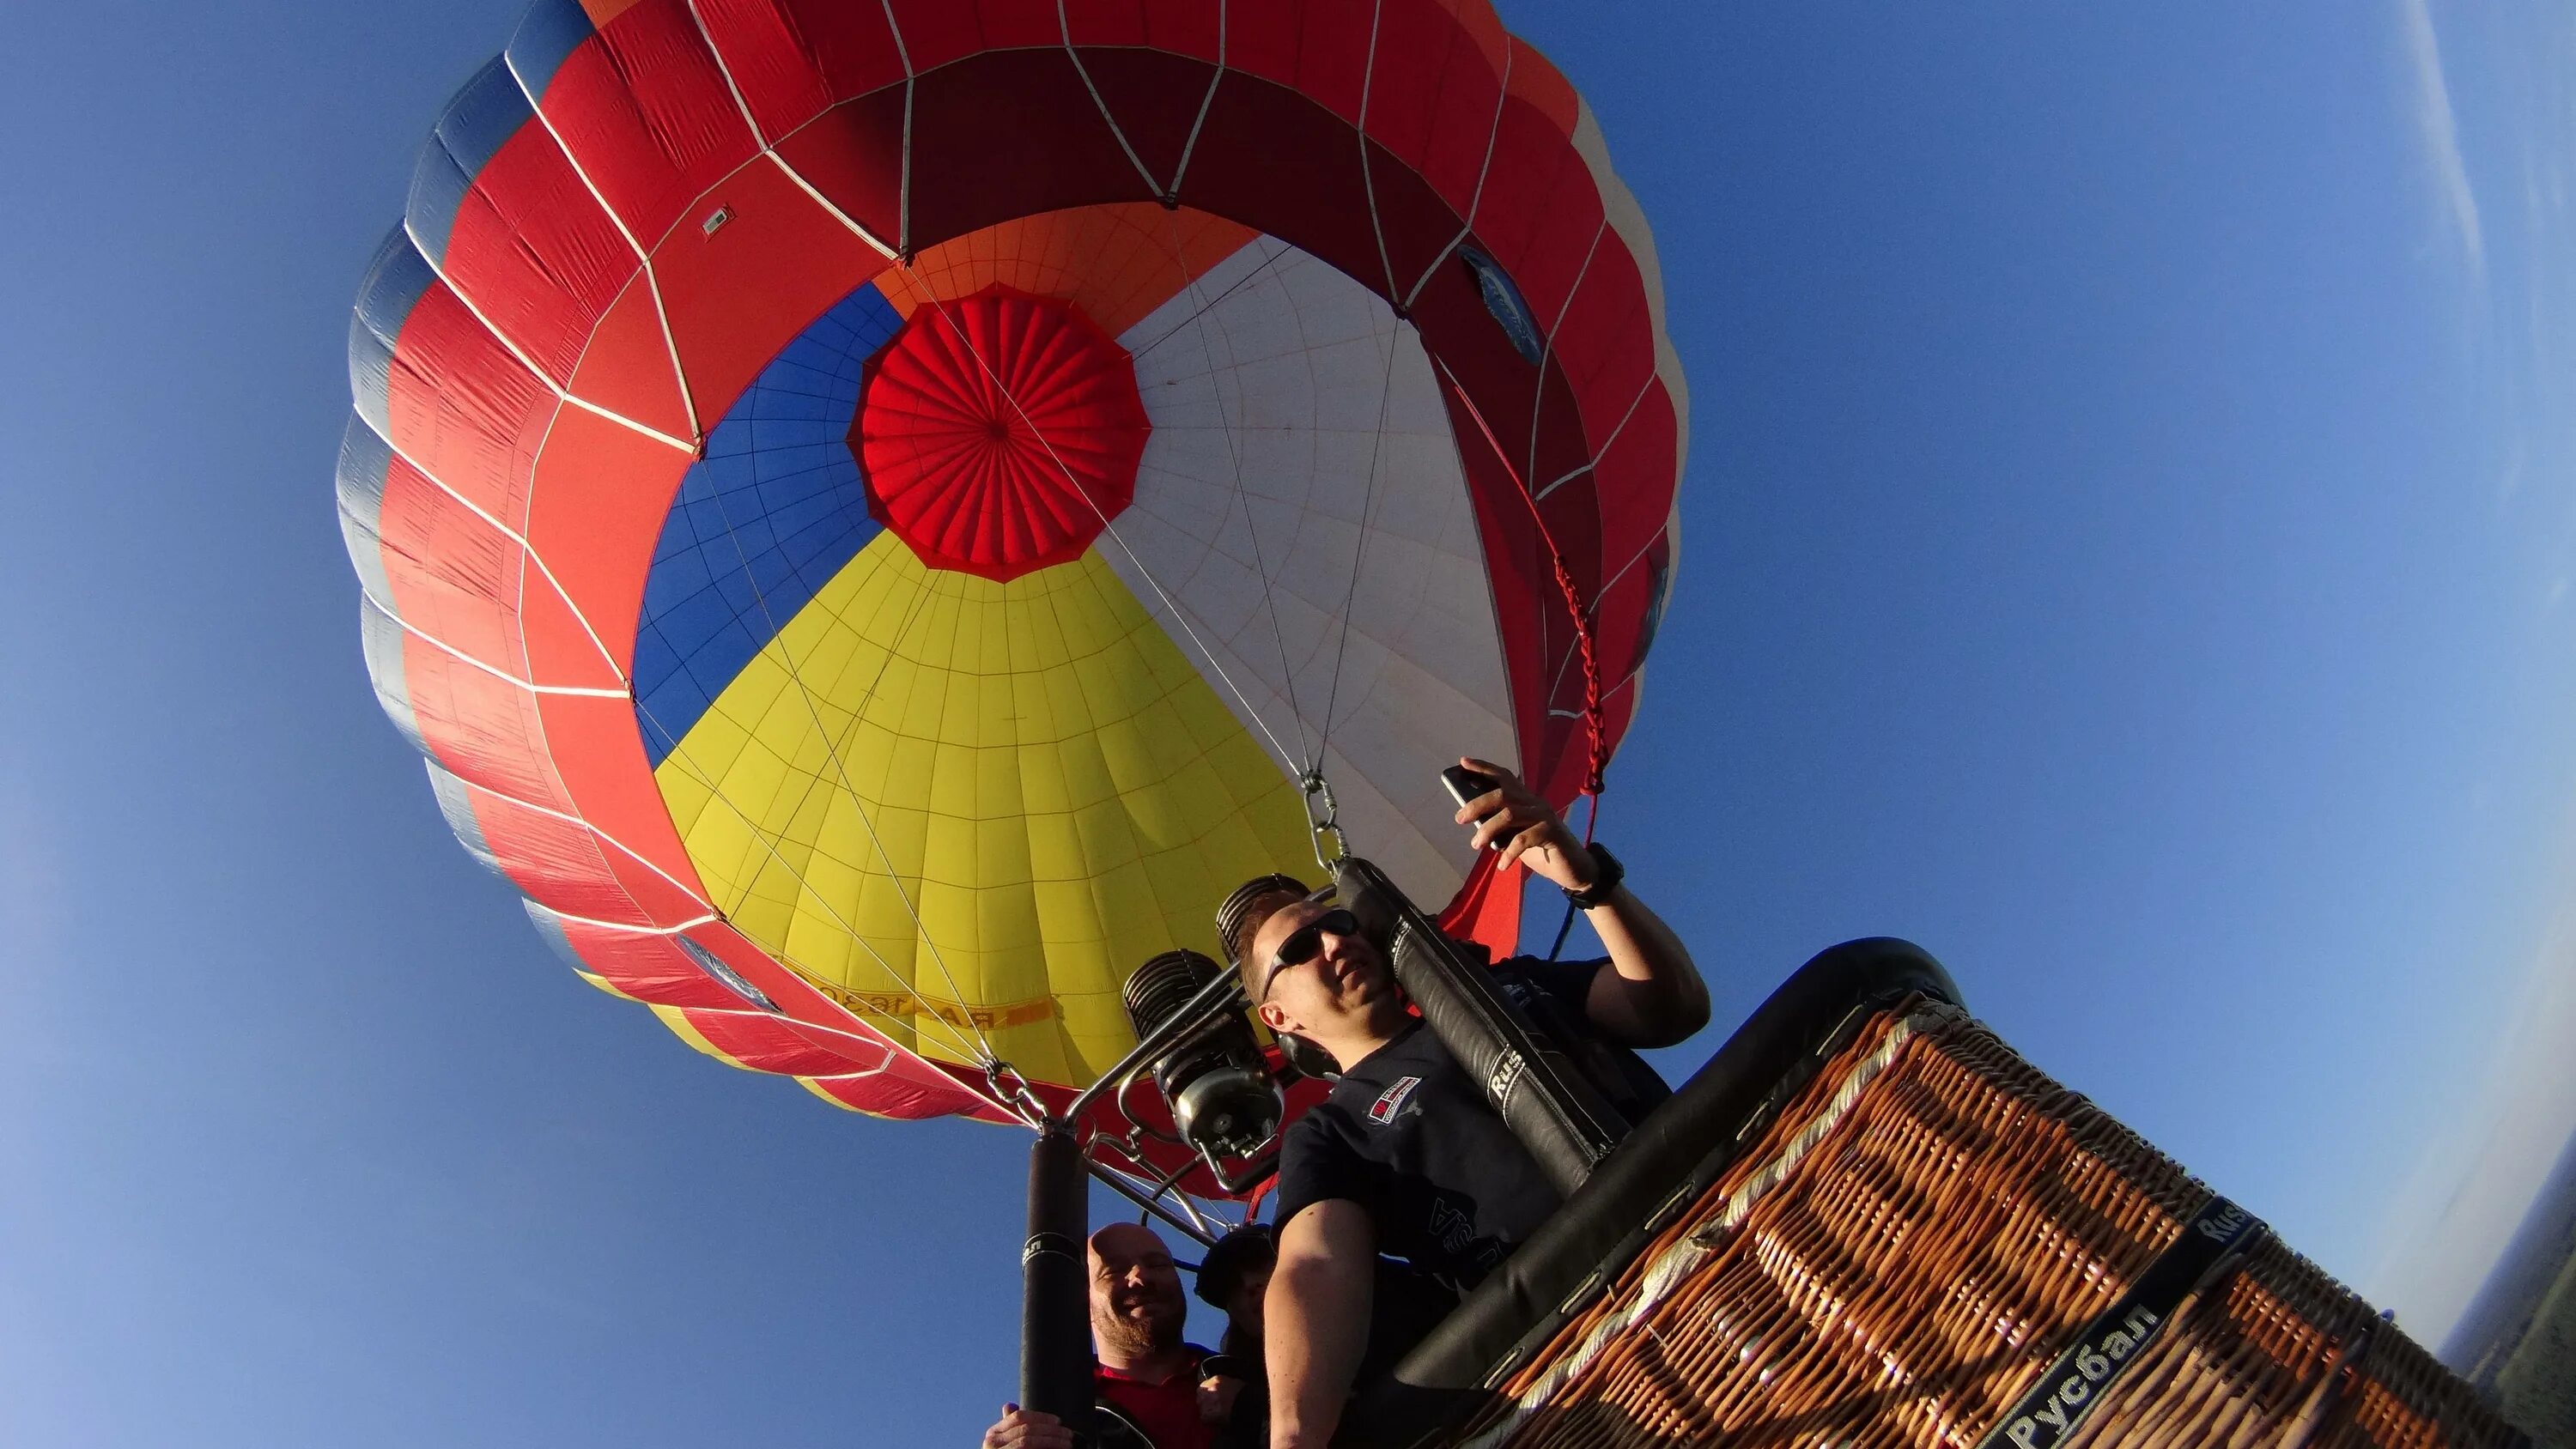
{"x":1519,"y":826}
{"x":1466,"y":786}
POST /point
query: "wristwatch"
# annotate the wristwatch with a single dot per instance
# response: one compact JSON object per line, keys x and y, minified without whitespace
{"x":1607,"y":873}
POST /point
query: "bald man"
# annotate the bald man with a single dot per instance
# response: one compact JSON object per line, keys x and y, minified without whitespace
{"x":1146,"y":1376}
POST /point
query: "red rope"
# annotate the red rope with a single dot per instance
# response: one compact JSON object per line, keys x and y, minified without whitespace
{"x":1597,"y":757}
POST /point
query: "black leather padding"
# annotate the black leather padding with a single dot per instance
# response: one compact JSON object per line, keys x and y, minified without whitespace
{"x":1547,"y":1102}
{"x":1663,"y":1166}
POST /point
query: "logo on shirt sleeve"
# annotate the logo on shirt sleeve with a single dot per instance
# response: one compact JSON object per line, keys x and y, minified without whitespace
{"x":1391,"y":1101}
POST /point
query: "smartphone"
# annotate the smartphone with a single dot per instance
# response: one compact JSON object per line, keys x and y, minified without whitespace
{"x":1465,"y":785}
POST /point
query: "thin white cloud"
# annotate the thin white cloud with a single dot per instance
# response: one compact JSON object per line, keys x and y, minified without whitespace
{"x":2438,"y":126}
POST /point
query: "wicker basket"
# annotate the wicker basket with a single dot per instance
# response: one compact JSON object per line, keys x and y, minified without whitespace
{"x":1906,"y":1250}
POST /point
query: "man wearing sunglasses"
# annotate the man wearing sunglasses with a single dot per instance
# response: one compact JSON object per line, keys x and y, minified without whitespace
{"x":1405,"y":1157}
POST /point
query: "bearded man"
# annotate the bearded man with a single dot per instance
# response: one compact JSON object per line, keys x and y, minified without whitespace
{"x":1147,"y":1382}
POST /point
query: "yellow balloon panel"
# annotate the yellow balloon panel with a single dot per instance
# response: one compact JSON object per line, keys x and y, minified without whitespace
{"x":967,"y":808}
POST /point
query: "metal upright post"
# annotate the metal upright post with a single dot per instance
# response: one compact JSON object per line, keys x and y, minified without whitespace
{"x":1055,"y":1289}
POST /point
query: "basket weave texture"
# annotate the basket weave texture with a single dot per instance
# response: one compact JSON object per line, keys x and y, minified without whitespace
{"x":1908,"y":1245}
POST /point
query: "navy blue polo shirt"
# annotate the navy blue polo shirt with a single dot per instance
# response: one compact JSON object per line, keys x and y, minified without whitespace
{"x":1408,"y":1135}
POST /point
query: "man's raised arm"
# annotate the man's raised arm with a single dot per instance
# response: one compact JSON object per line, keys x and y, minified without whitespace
{"x":1652,"y":995}
{"x":1316,"y":1319}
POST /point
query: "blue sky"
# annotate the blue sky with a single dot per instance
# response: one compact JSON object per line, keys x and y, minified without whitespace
{"x":2127,"y":549}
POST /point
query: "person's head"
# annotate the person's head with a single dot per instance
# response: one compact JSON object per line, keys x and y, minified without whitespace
{"x":1237,"y":1272}
{"x":1310,"y":971}
{"x":1136,"y":1302}
{"x":1247,"y":907}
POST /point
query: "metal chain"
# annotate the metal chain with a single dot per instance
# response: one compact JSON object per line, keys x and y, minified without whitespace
{"x":1329,"y":823}
{"x":1013,"y":1090}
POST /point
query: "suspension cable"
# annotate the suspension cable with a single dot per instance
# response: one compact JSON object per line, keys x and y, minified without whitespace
{"x":1597,"y":752}
{"x":965,"y":1049}
{"x":1251,"y":525}
{"x":1179,"y":615}
{"x":1359,"y":549}
{"x":832,"y":751}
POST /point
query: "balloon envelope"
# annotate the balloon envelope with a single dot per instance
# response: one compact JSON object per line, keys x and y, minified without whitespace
{"x":875,"y":513}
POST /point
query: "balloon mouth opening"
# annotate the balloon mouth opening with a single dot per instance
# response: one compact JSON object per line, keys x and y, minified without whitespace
{"x":999,"y":433}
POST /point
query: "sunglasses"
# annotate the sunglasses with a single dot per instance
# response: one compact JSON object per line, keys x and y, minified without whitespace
{"x":1304,"y":942}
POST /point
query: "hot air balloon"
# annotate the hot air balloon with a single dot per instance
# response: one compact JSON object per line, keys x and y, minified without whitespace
{"x":878,"y":515}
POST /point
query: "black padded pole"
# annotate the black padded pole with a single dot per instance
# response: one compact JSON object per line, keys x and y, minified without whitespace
{"x":1055,"y":1288}
{"x":1546,"y":1101}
